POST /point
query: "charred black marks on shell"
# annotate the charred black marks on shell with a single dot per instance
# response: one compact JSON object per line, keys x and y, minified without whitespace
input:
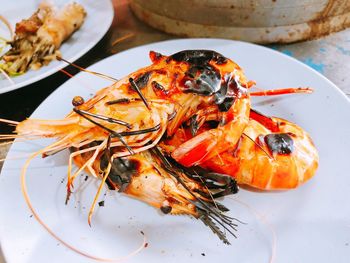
{"x":194,"y":125}
{"x":198,"y":57}
{"x":228,"y":93}
{"x":202,"y":79}
{"x":205,"y":79}
{"x":221,"y":60}
{"x":122,"y":171}
{"x":142,"y":80}
{"x":158,"y":87}
{"x":279,"y":143}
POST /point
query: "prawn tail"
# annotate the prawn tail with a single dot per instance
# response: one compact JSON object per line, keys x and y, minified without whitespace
{"x":212,"y":215}
{"x":205,"y":218}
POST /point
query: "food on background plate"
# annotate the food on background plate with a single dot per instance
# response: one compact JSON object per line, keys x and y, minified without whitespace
{"x":117,"y":135}
{"x":37,"y":39}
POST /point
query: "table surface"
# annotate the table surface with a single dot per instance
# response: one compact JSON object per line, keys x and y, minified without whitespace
{"x":329,"y":55}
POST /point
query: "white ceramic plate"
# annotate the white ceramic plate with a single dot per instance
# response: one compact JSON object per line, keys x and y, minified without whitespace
{"x":97,"y":22}
{"x":311,"y":223}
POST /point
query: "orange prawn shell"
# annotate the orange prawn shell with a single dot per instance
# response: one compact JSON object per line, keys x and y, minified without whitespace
{"x":252,"y":166}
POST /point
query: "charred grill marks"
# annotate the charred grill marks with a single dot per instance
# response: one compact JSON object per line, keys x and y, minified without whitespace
{"x":142,"y":80}
{"x":202,"y":79}
{"x":194,"y":125}
{"x":158,"y":87}
{"x":205,"y":79}
{"x":279,"y":143}
{"x":199,"y":56}
{"x":122,"y":170}
{"x":137,"y":89}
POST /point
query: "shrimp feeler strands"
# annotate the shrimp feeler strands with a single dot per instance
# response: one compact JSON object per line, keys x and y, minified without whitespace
{"x":67,"y":73}
{"x":59,"y":58}
{"x":107,"y":129}
{"x":120,"y":39}
{"x":50,"y":231}
{"x":70,"y":177}
{"x":104,"y":178}
{"x":211,"y":196}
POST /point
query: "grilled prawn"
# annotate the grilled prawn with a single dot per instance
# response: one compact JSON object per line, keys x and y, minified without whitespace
{"x":124,"y":120}
{"x":38,"y":38}
{"x":136,"y":111}
{"x":152,"y":178}
{"x":272,"y":154}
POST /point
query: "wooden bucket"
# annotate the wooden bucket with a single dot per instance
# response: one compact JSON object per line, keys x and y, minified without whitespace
{"x":259,"y":21}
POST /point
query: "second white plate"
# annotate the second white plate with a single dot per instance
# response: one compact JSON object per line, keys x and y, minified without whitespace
{"x":97,"y":22}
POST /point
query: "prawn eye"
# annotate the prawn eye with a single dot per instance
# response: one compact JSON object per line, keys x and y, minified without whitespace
{"x":77,"y":101}
{"x":166,"y":209}
{"x":279,"y":143}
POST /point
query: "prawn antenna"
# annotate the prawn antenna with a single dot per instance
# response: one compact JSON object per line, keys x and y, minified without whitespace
{"x":104,"y":76}
{"x":281,"y":91}
{"x":120,"y":39}
{"x":137,"y":89}
{"x":114,"y":134}
{"x":138,"y":132}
